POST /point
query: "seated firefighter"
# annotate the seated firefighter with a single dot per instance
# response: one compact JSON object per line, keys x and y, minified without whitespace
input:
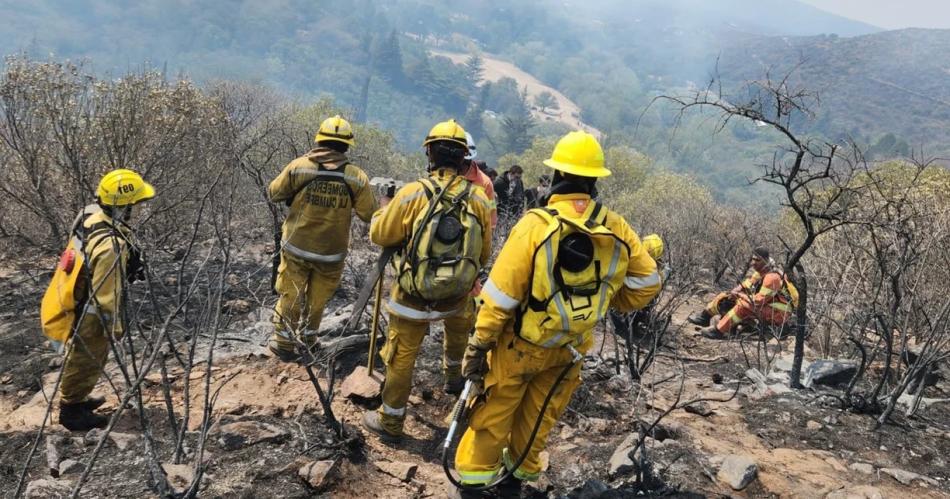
{"x":83,"y":311}
{"x":765,"y":296}
{"x":443,"y":223}
{"x":322,"y":190}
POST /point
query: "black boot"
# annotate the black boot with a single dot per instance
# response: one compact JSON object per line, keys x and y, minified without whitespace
{"x":92,"y":403}
{"x":712,"y":332}
{"x":700,"y":318}
{"x":78,"y":417}
{"x":509,"y":488}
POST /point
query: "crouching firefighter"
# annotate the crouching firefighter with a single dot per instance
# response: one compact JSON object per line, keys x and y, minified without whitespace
{"x":445,"y":223}
{"x":765,"y":295}
{"x":83,"y":308}
{"x":561,"y":268}
{"x":322,"y":189}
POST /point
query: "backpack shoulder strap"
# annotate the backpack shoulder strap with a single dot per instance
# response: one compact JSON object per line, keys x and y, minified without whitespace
{"x":598,"y":215}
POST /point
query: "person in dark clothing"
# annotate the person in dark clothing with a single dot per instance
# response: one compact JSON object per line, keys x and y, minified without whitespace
{"x":509,"y":195}
{"x":534,"y":197}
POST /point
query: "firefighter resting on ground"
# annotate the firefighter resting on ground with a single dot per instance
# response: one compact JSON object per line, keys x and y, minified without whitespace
{"x":558,"y":272}
{"x":322,"y":190}
{"x":444,"y":225}
{"x":83,"y":309}
{"x":765,"y":296}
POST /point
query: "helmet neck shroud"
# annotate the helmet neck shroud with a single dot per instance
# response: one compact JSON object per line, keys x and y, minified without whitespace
{"x":445,"y":154}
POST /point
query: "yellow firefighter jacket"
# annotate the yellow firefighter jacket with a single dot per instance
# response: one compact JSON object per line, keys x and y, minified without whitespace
{"x":392,"y":226}
{"x":322,"y":189}
{"x":509,"y":285}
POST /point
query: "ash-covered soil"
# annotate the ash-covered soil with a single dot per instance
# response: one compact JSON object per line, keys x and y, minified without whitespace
{"x":267,"y":434}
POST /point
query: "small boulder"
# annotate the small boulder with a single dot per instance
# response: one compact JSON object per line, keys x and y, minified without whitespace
{"x":318,"y":474}
{"x":907,"y":477}
{"x":233,"y":436}
{"x":122,"y":440}
{"x":179,"y":476}
{"x":865,"y":468}
{"x":70,"y":466}
{"x":737,"y":471}
{"x":402,"y":471}
{"x":856,"y":492}
{"x":361,"y":384}
{"x":699,"y":408}
{"x":829,"y":372}
{"x":620,"y":462}
{"x":813,"y":425}
{"x":237,"y":306}
{"x":45,"y":488}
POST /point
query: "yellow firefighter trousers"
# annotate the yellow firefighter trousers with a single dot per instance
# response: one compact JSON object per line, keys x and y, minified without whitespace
{"x":399,"y":355}
{"x":304,"y":288}
{"x":85,"y":359}
{"x":520,"y":376}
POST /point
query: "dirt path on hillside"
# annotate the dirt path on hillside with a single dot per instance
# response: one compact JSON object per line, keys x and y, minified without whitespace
{"x":496,"y":69}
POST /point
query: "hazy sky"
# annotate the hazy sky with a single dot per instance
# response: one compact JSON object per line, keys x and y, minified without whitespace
{"x":891,"y":14}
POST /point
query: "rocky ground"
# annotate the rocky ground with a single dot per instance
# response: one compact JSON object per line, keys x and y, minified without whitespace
{"x":268,"y":437}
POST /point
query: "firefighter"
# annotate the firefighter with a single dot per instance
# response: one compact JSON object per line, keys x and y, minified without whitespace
{"x":765,"y":295}
{"x":561,"y":268}
{"x":443,"y":213}
{"x":322,"y":190}
{"x":110,"y":260}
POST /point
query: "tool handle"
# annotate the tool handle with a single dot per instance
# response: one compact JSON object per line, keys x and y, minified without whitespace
{"x":457,"y":413}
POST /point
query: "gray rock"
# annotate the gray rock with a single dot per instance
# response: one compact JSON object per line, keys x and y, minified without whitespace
{"x":46,"y":488}
{"x":829,"y":372}
{"x":318,"y":474}
{"x":907,"y":477}
{"x":233,"y":436}
{"x":737,"y":471}
{"x":620,"y":462}
{"x":70,"y":466}
{"x":123,"y":440}
{"x":361,"y":384}
{"x":402,"y":471}
{"x":333,"y":325}
{"x":699,"y":408}
{"x":856,"y":492}
{"x":865,"y":468}
{"x":179,"y":476}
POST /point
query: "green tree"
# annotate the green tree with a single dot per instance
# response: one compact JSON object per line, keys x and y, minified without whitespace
{"x":389,"y":60}
{"x":546,"y":100}
{"x":474,"y":71}
{"x":517,"y":126}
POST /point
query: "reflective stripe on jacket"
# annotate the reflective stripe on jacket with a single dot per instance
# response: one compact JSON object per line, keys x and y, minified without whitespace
{"x":323,"y":190}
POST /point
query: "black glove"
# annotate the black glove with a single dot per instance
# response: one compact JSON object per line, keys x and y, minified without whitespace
{"x":135,"y":267}
{"x":475,"y":361}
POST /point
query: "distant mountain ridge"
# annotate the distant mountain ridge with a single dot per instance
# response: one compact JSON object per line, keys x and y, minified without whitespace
{"x":888,"y":82}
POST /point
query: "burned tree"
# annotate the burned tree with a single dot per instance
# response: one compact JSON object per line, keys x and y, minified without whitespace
{"x":813,"y":174}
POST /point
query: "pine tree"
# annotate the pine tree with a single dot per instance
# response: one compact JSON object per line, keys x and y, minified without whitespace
{"x":518,"y":125}
{"x":389,"y":60}
{"x":474,"y":71}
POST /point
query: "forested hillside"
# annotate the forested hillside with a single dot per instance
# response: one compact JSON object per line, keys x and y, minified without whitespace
{"x":612,"y":58}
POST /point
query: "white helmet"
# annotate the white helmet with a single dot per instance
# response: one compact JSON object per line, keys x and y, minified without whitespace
{"x":471,"y":147}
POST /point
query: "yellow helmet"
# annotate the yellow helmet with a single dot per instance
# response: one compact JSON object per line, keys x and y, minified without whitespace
{"x":123,"y":187}
{"x":578,"y":153}
{"x":449,"y":131}
{"x":335,"y":128}
{"x":654,"y":246}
